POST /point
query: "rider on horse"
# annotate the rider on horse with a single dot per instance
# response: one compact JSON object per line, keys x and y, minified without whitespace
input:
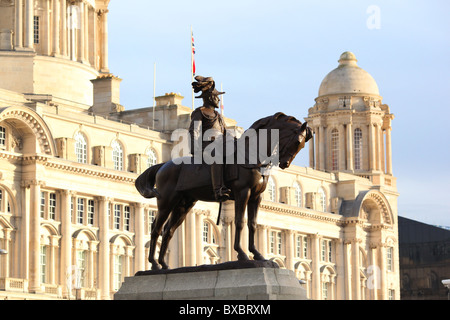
{"x":206,"y":118}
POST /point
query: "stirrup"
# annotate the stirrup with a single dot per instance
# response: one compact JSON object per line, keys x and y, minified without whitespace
{"x":222,"y":194}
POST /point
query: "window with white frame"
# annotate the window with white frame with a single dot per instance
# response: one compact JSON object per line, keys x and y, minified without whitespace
{"x":208,"y":233}
{"x":322,"y":200}
{"x":36,"y":30}
{"x":91,"y":212}
{"x":151,"y":218}
{"x":81,"y":148}
{"x":325,"y":290}
{"x":117,"y":272}
{"x":271,"y":189}
{"x":389,"y":255}
{"x":301,"y":246}
{"x":152,"y":158}
{"x":126,"y":218}
{"x":2,"y":137}
{"x":80,"y":210}
{"x":326,"y":250}
{"x":275,"y":242}
{"x":117,"y":155}
{"x":81,"y":267}
{"x":298,"y":195}
{"x":52,"y":206}
{"x":43,"y":264}
{"x":357,"y":141}
{"x":335,"y":149}
{"x":42,"y":205}
{"x":117,"y":209}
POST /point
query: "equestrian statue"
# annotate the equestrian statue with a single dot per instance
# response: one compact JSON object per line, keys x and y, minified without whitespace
{"x":238,"y":175}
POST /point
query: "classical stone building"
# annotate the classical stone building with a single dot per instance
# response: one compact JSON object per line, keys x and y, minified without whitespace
{"x":72,"y":221}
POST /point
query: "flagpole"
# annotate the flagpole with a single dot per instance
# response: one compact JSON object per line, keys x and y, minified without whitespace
{"x":154,"y":94}
{"x":221,"y":103}
{"x":192,"y":68}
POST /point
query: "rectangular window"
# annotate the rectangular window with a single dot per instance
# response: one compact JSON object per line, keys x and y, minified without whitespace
{"x":81,"y":264}
{"x":117,"y":277}
{"x":71,"y":209}
{"x":52,"y":206}
{"x":305,"y":247}
{"x":36,"y":30}
{"x":389,"y":259}
{"x":2,"y":137}
{"x":298,"y":247}
{"x":80,"y":210}
{"x":117,"y":216}
{"x":325,"y":290}
{"x":126,"y":218}
{"x":272,"y":242}
{"x":43,"y":264}
{"x":151,"y":218}
{"x":42,"y":206}
{"x":205,"y":231}
{"x":279,"y":243}
{"x":329,"y":250}
{"x":91,"y":211}
{"x":391,"y":294}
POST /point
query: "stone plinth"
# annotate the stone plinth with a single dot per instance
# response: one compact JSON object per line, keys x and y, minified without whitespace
{"x":229,"y":281}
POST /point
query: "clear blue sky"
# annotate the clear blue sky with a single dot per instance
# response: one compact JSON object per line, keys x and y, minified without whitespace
{"x":272,"y":56}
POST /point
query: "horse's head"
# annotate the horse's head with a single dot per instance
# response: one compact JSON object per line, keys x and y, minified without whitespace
{"x":292,"y":135}
{"x":292,"y":147}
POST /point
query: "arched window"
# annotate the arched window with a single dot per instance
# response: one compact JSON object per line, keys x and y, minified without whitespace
{"x":335,"y":149}
{"x":298,"y":194}
{"x":117,"y":155}
{"x":81,"y":148}
{"x":322,"y":200}
{"x":271,"y":189}
{"x":152,"y":158}
{"x":358,"y":148}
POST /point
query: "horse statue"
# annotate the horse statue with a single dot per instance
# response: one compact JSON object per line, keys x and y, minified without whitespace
{"x":246,"y":188}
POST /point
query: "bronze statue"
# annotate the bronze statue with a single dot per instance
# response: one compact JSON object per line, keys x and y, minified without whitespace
{"x":246,"y":183}
{"x":207,"y":118}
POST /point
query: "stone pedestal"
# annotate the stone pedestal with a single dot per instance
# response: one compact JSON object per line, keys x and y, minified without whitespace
{"x":228,"y":281}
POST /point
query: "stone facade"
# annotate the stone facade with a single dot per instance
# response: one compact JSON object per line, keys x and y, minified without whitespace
{"x":69,"y":159}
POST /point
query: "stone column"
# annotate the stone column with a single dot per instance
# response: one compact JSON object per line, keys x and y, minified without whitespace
{"x":290,"y":252}
{"x":262,"y":230}
{"x":139,"y":262}
{"x":66,"y":237}
{"x":198,"y":238}
{"x":356,"y":279}
{"x":316,"y":289}
{"x":350,"y":160}
{"x":56,"y":28}
{"x":347,"y":271}
{"x":372,"y":150}
{"x":317,"y":148}
{"x":104,"y":51}
{"x":340,"y":269}
{"x":322,"y":154}
{"x":29,"y":25}
{"x":104,"y":254}
{"x":190,"y":239}
{"x":382,"y":253}
{"x":35,"y":239}
{"x":63,"y":30}
{"x":86,"y":33}
{"x":342,"y":157}
{"x":81,"y":32}
{"x":373,"y":282}
{"x":388,"y":151}
{"x":311,"y":152}
{"x":381,"y":148}
{"x":19,"y":25}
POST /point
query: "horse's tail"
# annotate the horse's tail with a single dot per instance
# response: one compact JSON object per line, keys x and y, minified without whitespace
{"x":145,"y":183}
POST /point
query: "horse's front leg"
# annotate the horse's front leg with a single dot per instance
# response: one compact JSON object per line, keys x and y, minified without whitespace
{"x":253,"y":207}
{"x":241,"y":200}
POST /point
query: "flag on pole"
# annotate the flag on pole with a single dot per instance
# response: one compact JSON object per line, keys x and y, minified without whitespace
{"x":192,"y":67}
{"x":193,"y":53}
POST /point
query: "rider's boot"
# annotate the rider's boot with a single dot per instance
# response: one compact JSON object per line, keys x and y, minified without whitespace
{"x":221,"y":192}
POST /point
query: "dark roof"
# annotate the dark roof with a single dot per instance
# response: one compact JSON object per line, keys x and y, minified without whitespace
{"x":411,"y":231}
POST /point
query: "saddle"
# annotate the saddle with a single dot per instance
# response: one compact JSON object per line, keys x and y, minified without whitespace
{"x":199,"y":175}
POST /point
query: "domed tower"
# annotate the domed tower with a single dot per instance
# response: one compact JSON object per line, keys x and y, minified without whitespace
{"x":352,"y":126}
{"x":53,"y":47}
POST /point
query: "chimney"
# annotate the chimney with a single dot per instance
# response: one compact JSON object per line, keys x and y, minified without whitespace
{"x":106,"y":95}
{"x":169,"y":99}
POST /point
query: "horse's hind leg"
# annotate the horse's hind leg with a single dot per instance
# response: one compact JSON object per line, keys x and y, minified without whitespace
{"x":252,"y":212}
{"x":164,"y":209}
{"x":176,"y":219}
